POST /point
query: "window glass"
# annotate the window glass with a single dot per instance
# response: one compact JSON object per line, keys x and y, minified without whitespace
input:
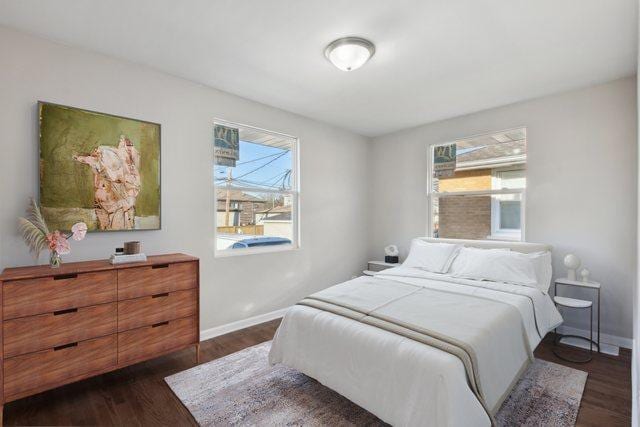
{"x":514,"y":178}
{"x":255,"y":187}
{"x":263,"y":163}
{"x":477,"y":186}
{"x":510,"y":214}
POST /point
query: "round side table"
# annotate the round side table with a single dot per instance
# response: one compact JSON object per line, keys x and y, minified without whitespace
{"x":580,"y":305}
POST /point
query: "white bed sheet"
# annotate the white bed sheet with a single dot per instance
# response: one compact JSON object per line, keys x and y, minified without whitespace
{"x":401,"y":381}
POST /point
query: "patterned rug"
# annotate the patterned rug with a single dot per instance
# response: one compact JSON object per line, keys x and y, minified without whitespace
{"x":242,"y":389}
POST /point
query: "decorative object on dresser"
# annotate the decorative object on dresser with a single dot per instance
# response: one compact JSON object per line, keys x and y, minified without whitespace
{"x":37,"y":237}
{"x":129,"y":253}
{"x":124,"y":259}
{"x":132,"y":248}
{"x":88,"y":318}
{"x":375,"y":266}
{"x":562,"y":301}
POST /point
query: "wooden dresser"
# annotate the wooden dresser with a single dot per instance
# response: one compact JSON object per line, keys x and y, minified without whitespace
{"x":87,"y":318}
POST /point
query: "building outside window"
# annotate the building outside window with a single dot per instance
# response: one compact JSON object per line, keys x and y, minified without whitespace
{"x":477,"y":187}
{"x":256,"y":189}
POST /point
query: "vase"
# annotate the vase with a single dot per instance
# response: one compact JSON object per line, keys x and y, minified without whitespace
{"x":55,"y":260}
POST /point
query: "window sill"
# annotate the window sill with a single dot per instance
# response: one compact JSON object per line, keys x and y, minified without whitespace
{"x":225,"y":253}
{"x":505,"y":237}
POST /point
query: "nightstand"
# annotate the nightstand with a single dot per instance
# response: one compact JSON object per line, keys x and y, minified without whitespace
{"x":579,"y":304}
{"x":375,"y":266}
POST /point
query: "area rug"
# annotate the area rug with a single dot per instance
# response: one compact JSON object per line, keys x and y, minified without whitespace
{"x":242,"y":389}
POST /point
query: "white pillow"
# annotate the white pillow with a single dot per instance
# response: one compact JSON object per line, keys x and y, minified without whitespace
{"x":434,"y":257}
{"x":496,"y":265}
{"x":542,"y":265}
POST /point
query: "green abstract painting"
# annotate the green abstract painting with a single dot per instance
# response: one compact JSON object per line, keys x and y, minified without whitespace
{"x":98,"y":168}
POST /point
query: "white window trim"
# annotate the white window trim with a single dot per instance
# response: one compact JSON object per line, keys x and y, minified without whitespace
{"x":294,"y":192}
{"x":498,"y":233}
{"x":432,"y":196}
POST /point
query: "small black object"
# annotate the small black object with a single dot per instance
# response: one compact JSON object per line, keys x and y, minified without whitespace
{"x":119,"y":251}
{"x":391,"y":259}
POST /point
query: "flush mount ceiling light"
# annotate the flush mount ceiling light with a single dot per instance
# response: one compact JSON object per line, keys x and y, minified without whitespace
{"x":349,"y":53}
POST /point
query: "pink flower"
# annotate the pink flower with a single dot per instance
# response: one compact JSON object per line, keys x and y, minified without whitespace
{"x":62,"y":246}
{"x":53,"y":239}
{"x":79,"y":230}
{"x":58,"y":243}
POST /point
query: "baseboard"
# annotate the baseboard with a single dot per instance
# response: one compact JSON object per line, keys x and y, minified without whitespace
{"x":241,"y":324}
{"x":610,"y":344}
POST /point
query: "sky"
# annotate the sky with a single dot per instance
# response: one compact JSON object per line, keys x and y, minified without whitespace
{"x":258,"y":164}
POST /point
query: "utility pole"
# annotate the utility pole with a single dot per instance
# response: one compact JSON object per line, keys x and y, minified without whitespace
{"x":228,"y":202}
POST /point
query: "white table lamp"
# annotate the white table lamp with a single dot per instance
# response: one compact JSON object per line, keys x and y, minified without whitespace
{"x":572,"y":262}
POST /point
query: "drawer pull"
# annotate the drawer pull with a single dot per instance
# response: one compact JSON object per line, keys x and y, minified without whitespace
{"x":160,"y":266}
{"x":69,"y":310}
{"x":60,"y":347}
{"x":65,"y":276}
{"x":165,"y":294}
{"x":155,"y":325}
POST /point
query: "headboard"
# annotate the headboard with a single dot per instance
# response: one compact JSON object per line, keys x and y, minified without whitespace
{"x":523,"y":247}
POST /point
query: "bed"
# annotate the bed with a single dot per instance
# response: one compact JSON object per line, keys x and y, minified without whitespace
{"x":418,"y":347}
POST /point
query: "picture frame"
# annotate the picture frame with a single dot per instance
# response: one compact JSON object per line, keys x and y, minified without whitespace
{"x":98,"y":168}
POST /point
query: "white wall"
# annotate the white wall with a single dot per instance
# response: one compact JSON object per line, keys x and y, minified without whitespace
{"x":334,"y":174}
{"x":581,"y":184}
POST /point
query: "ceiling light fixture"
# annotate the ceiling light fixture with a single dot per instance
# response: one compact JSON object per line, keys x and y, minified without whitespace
{"x":349,"y":53}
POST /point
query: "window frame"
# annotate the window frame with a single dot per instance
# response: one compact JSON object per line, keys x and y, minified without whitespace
{"x":294,"y":192}
{"x":432,"y":196}
{"x":498,"y":233}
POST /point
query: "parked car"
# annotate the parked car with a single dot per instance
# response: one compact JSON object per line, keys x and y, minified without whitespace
{"x":240,"y":241}
{"x":261,"y":241}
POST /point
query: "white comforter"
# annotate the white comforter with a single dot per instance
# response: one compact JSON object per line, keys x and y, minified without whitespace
{"x":400,"y":380}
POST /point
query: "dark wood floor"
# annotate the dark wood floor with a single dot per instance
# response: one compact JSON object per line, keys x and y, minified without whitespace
{"x":137,"y":395}
{"x":607,"y":396}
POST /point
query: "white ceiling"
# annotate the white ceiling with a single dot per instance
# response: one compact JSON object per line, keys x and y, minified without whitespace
{"x":434,"y":58}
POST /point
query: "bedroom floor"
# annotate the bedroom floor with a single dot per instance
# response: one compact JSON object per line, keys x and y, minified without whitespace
{"x":137,"y":395}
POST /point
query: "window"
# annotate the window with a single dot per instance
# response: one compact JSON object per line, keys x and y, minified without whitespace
{"x":256,"y":189}
{"x":506,"y":215}
{"x":477,"y":187}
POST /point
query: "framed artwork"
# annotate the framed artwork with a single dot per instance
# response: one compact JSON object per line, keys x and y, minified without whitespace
{"x":98,"y":168}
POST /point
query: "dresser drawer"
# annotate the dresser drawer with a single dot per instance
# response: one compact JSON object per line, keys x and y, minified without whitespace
{"x":48,"y":294}
{"x":34,"y":333}
{"x":151,"y":280}
{"x":56,"y":366}
{"x":146,"y":311}
{"x":150,"y":341}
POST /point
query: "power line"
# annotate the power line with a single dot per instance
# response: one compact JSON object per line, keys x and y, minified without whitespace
{"x":263,"y":182}
{"x":251,"y":183}
{"x":274,"y":178}
{"x":255,"y":160}
{"x":287,"y":178}
{"x":269,"y":182}
{"x":262,"y":166}
{"x":255,"y":184}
